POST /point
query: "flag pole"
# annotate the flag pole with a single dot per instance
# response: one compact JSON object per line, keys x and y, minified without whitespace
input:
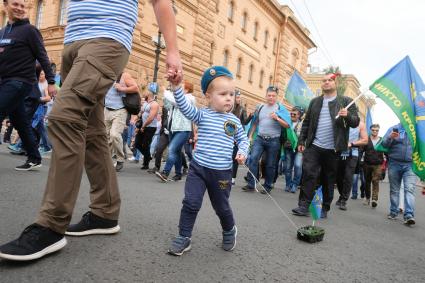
{"x":352,"y":102}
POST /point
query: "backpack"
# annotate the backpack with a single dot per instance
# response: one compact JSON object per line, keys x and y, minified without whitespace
{"x":132,"y":101}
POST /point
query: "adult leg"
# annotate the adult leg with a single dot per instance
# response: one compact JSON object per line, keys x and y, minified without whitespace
{"x":256,"y":153}
{"x":329,"y":169}
{"x":409,"y":180}
{"x":395,"y":177}
{"x":342,"y":163}
{"x":175,"y":151}
{"x":348,"y":177}
{"x":298,"y":171}
{"x":272,"y":150}
{"x":311,"y":173}
{"x":118,"y":124}
{"x":235,"y":163}
{"x":290,"y":160}
{"x":368,"y":172}
{"x":162,"y":145}
{"x":376,"y":177}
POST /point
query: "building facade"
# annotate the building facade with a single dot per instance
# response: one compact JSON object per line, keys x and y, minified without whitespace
{"x":260,"y":41}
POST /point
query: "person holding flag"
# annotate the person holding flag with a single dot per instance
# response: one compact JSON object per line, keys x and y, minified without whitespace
{"x":324,"y":135}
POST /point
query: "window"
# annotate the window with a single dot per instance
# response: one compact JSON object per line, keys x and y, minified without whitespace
{"x":271,"y":80}
{"x":261,"y":79}
{"x":244,"y":21}
{"x":251,"y":73}
{"x":295,"y":56}
{"x":255,"y":31}
{"x":230,"y":11}
{"x":226,"y":58}
{"x":274,"y":45}
{"x":63,"y":12}
{"x":239,"y":67}
{"x":212,"y":53}
{"x":39,"y":15}
{"x":266,"y":38}
{"x":217,"y":6}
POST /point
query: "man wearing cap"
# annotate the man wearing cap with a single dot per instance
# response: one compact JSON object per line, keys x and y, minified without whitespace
{"x":323,"y":137}
{"x":294,"y":158}
{"x":268,"y":126}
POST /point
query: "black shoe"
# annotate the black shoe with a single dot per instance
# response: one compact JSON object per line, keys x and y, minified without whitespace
{"x":162,"y":175}
{"x":374,"y":203}
{"x":185,"y":170}
{"x":323,"y":214}
{"x":246,"y":178}
{"x":35,"y":242}
{"x":153,"y":170}
{"x":177,"y":178}
{"x":409,"y":221}
{"x":28,"y":166}
{"x":91,"y":224}
{"x":119,"y":166}
{"x":338,"y":202}
{"x":265,"y":192}
{"x":343,"y":205}
{"x":300,"y":211}
{"x":247,"y":189}
{"x":144,"y":167}
{"x":353,"y":197}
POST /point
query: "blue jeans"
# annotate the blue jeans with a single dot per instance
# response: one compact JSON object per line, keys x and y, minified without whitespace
{"x":293,"y":160}
{"x":131,"y":129}
{"x":271,"y":148}
{"x":12,"y":96}
{"x":177,"y":141}
{"x":396,"y":173}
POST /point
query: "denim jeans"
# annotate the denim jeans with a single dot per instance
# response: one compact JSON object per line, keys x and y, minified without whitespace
{"x":294,"y":160}
{"x":398,"y":172}
{"x":12,"y":96}
{"x":131,"y":129}
{"x":177,"y":141}
{"x":356,"y":177}
{"x":271,"y":148}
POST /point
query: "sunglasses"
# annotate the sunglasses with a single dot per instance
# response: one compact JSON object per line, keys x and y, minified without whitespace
{"x":293,"y":114}
{"x":273,"y":88}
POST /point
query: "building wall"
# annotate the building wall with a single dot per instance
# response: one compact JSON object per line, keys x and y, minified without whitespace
{"x":205,"y":35}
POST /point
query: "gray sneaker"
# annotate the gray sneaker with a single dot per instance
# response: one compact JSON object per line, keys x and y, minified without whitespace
{"x":179,"y":245}
{"x":392,"y":216}
{"x":229,"y":239}
{"x":409,"y":221}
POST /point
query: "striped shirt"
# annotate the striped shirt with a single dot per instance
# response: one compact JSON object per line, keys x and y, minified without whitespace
{"x":325,"y":133}
{"x":114,"y":19}
{"x":214,"y":147}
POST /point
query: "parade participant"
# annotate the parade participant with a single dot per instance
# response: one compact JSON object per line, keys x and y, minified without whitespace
{"x":347,"y":164}
{"x":211,"y":167}
{"x":294,"y":159}
{"x":21,"y":45}
{"x":239,"y":111}
{"x":116,"y":115}
{"x":179,"y":128}
{"x":147,"y":128}
{"x":372,"y":166}
{"x":400,"y":169}
{"x":322,"y":138}
{"x":268,"y":141}
{"x":97,"y":47}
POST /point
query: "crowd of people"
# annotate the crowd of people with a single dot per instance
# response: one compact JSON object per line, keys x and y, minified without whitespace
{"x":90,"y":127}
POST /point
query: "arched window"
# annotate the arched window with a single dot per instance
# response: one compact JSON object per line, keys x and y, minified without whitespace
{"x":39,"y":15}
{"x":251,"y":73}
{"x":4,"y":22}
{"x":239,"y":67}
{"x":226,"y":58}
{"x":274,"y":45}
{"x":295,"y":54}
{"x":212,"y":53}
{"x":271,"y":80}
{"x":266,"y":38}
{"x":255,"y":31}
{"x":230,"y":10}
{"x":244,"y":21}
{"x":261,"y":79}
{"x":63,"y":12}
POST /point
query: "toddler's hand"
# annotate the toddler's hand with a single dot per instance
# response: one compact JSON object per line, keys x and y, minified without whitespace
{"x":240,"y":159}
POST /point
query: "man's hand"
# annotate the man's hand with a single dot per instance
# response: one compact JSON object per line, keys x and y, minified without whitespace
{"x":301,"y":148}
{"x":118,"y":87}
{"x":394,"y":135}
{"x":240,"y":159}
{"x":174,"y":68}
{"x":274,"y":116}
{"x":343,"y":112}
{"x":51,"y":89}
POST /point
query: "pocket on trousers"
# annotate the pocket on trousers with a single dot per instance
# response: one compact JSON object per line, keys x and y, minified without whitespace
{"x":92,"y":77}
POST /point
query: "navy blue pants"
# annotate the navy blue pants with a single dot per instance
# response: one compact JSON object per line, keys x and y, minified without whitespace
{"x":12,"y":96}
{"x":218,"y":184}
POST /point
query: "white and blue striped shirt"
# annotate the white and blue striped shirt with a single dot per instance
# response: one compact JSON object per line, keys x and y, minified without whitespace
{"x":113,"y":19}
{"x":214,"y":147}
{"x":325,"y":132}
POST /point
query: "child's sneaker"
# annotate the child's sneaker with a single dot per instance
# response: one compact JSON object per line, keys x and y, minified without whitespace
{"x":179,"y":245}
{"x":229,"y":239}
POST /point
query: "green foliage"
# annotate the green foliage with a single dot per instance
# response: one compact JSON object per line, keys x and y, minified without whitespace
{"x":341,"y":80}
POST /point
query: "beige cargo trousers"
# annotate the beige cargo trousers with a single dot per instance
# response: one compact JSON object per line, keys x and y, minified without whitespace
{"x":78,"y":135}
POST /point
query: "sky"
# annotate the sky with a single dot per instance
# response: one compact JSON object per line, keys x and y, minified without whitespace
{"x":365,"y":38}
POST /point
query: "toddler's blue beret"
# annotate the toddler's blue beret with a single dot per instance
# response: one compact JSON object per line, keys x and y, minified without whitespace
{"x":212,"y":73}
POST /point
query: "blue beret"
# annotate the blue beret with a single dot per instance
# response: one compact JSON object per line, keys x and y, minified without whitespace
{"x":212,"y":73}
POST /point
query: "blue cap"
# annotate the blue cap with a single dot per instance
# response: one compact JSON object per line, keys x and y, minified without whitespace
{"x":212,"y":73}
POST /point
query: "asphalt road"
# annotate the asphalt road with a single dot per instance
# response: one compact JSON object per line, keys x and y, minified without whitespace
{"x":360,"y":245}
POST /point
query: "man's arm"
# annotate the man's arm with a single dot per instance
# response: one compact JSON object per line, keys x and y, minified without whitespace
{"x":352,"y":118}
{"x":130,"y":84}
{"x":363,"y":139}
{"x":167,"y":25}
{"x":36,"y":43}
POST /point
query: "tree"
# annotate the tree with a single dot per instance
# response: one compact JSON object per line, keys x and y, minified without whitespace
{"x":341,"y":80}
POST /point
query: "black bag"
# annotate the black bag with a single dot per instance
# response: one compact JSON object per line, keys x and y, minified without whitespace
{"x":132,"y":101}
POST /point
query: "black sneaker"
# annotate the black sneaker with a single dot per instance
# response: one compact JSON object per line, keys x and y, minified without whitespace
{"x":409,"y":221}
{"x":35,"y":242}
{"x":144,"y":167}
{"x":374,"y":203}
{"x":179,"y":245}
{"x":343,"y":205}
{"x":301,"y":211}
{"x":185,"y":170}
{"x":229,"y":239}
{"x":28,"y":166}
{"x":247,"y":188}
{"x":392,"y":216}
{"x":338,"y":202}
{"x":162,"y":175}
{"x":177,"y":178}
{"x":91,"y":224}
{"x":119,"y":166}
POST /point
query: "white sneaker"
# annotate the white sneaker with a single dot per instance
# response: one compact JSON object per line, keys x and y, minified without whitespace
{"x":233,"y":181}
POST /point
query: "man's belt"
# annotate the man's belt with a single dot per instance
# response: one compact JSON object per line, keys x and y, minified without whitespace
{"x":112,"y":109}
{"x":268,"y":137}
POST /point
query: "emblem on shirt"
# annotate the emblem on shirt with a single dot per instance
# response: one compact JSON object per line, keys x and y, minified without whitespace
{"x":230,"y":128}
{"x":223,"y":184}
{"x":212,"y":72}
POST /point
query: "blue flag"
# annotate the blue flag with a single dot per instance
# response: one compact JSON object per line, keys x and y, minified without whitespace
{"x":297,"y":92}
{"x":402,"y":89}
{"x":368,"y":120}
{"x":315,"y":207}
